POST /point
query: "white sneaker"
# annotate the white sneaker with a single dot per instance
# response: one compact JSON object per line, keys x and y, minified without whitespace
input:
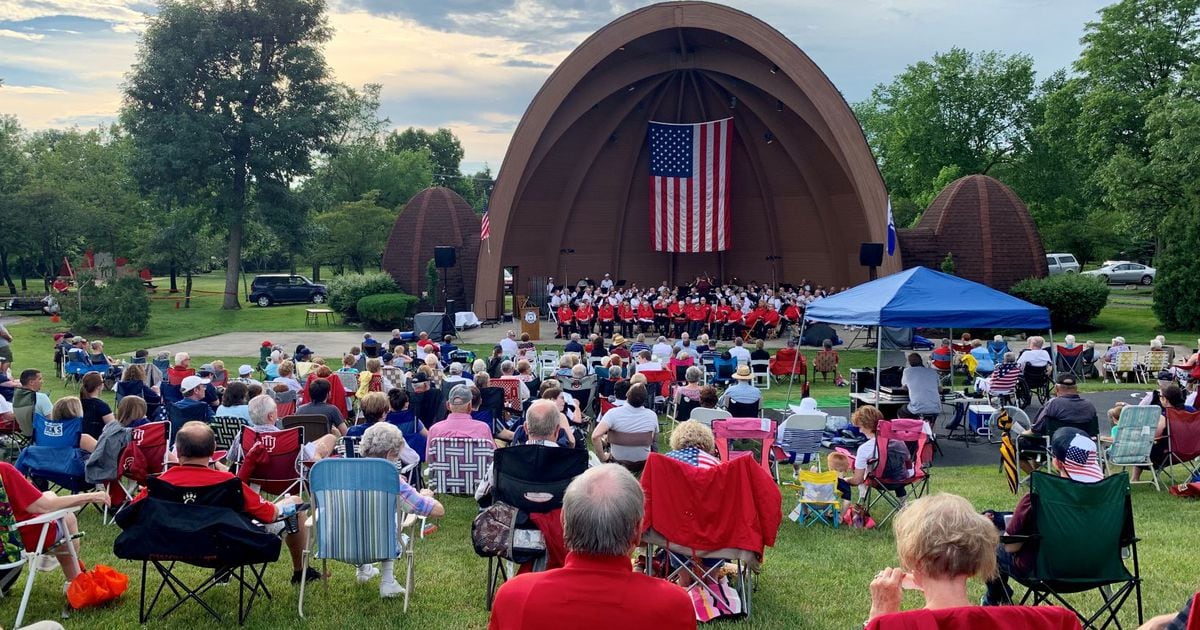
{"x":390,"y":589}
{"x":47,"y":563}
{"x":365,"y":573}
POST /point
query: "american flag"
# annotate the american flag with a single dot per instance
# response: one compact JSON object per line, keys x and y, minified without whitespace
{"x":689,"y":186}
{"x":485,"y":226}
{"x":694,"y":456}
{"x":1081,"y":464}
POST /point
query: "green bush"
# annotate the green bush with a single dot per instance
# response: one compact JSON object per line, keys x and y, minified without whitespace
{"x":347,"y":289}
{"x":1073,"y":300}
{"x":120,"y":308}
{"x":386,"y":310}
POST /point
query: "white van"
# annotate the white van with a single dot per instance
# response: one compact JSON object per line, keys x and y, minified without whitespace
{"x":1061,"y":263}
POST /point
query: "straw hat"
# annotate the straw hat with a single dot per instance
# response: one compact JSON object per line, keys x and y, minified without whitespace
{"x":618,"y":340}
{"x":743,"y":373}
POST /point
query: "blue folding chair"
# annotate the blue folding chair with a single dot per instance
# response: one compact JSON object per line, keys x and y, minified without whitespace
{"x":355,"y":517}
{"x":55,"y":454}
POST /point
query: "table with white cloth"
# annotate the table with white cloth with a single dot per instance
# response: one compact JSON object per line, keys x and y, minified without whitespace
{"x":465,"y":319}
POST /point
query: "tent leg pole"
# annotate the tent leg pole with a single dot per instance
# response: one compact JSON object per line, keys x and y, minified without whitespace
{"x":795,"y":362}
{"x":1053,"y":359}
{"x":878,"y":361}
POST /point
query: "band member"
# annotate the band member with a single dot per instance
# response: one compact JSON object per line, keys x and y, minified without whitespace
{"x":645,"y":316}
{"x":628,"y":318}
{"x":607,"y":316}
{"x":585,"y":316}
{"x":566,"y":320}
{"x":734,"y":323}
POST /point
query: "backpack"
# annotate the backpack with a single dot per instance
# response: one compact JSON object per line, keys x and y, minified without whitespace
{"x":899,"y":461}
{"x":503,"y":531}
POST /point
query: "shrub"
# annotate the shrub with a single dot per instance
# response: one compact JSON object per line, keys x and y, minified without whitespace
{"x":120,"y":308}
{"x":1073,"y":299}
{"x":347,"y":289}
{"x":386,"y":310}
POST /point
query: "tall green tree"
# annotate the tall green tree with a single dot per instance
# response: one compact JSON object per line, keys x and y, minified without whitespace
{"x":14,"y":168}
{"x":353,"y":233}
{"x":444,"y":148}
{"x":963,"y":109}
{"x":228,"y":102}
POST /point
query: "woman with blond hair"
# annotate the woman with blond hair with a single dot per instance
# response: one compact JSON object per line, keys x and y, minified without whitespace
{"x":693,"y":443}
{"x":941,"y":542}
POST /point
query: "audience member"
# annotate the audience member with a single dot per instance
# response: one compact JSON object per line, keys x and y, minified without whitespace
{"x":924,"y":389}
{"x":743,"y":390}
{"x":96,"y":412}
{"x":235,"y":402}
{"x":632,"y":417}
{"x":264,"y":414}
{"x":459,"y":423}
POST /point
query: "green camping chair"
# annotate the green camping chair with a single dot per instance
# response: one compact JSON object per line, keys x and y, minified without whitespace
{"x":1068,"y":562}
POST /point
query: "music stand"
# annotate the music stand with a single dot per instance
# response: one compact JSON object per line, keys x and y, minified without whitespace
{"x":620,"y":284}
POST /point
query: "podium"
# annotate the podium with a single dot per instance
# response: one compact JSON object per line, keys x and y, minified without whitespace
{"x":530,"y":322}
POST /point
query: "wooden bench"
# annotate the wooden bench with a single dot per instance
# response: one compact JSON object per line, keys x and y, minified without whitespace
{"x":312,"y":316}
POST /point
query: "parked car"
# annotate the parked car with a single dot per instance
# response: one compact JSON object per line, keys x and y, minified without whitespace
{"x":1124,"y":272}
{"x":276,"y":288}
{"x":1061,"y":263}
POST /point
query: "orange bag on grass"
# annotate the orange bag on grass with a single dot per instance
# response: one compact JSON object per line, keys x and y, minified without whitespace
{"x":100,"y":585}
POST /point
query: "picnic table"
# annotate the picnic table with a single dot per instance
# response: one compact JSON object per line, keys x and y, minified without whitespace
{"x":312,"y":316}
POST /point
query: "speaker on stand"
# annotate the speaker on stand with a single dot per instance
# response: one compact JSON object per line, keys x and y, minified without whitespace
{"x":871,"y":255}
{"x":445,"y":257}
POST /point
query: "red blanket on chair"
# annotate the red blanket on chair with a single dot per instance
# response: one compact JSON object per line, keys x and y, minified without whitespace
{"x":733,"y":505}
{"x":550,"y":524}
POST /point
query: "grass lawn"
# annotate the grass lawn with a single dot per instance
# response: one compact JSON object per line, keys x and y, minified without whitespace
{"x":813,"y":578}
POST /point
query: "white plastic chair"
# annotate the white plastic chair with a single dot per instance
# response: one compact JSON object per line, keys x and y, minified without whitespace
{"x":762,"y":378}
{"x":706,"y":416}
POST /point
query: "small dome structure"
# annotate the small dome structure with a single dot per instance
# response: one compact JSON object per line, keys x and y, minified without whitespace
{"x":987,"y":229}
{"x":434,"y":217}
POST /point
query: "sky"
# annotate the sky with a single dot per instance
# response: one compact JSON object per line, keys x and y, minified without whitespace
{"x":474,"y":65}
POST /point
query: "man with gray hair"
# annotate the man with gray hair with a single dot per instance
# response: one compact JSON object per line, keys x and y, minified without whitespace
{"x":459,"y":423}
{"x":455,"y":376}
{"x":508,"y":372}
{"x":596,"y":588}
{"x":264,"y":413}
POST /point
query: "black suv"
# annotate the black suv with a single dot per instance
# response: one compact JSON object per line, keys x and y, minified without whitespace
{"x":273,"y":288}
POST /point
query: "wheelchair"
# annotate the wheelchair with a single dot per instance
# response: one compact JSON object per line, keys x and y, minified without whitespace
{"x":1034,"y":381}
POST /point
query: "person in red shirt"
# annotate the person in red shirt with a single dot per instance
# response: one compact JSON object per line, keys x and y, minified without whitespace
{"x":195,"y":444}
{"x":645,"y":316}
{"x":678,"y":314}
{"x":28,"y":502}
{"x":628,"y":318}
{"x":607,"y":316}
{"x":791,"y":315}
{"x":566,"y":319}
{"x":770,"y":322}
{"x":597,"y":587}
{"x":662,"y":316}
{"x":733,"y":323}
{"x":584,"y":316}
{"x":698,"y":317}
{"x":181,"y":370}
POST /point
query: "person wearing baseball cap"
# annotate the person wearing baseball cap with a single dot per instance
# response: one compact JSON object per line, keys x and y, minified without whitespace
{"x":192,"y":406}
{"x":459,"y":423}
{"x":1066,"y":409}
{"x":246,"y":375}
{"x":1074,"y":454}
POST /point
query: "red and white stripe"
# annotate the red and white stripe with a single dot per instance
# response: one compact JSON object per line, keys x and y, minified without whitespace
{"x":691,"y":214}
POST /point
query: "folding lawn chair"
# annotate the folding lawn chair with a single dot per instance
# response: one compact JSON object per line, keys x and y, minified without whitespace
{"x":1155,"y":361}
{"x":315,"y":425}
{"x":273,"y":462}
{"x":198,"y":526}
{"x":744,"y":410}
{"x":356,"y":518}
{"x":686,"y":534}
{"x":819,"y":499}
{"x":458,"y":465}
{"x":533,"y":479}
{"x":879,"y":487}
{"x":1133,"y":440}
{"x":226,"y":430}
{"x":547,"y":363}
{"x":13,"y":554}
{"x":681,"y":410}
{"x":285,"y":402}
{"x":760,"y":369}
{"x":583,"y":390}
{"x":647,"y":440}
{"x":707,"y":416}
{"x":151,"y":441}
{"x":1041,"y":617}
{"x":1069,"y":563}
{"x":1183,"y":441}
{"x":55,"y":455}
{"x":738,"y":428}
{"x":24,"y":402}
{"x":802,"y":435}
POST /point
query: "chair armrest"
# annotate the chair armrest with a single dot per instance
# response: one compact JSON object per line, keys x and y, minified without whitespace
{"x":48,"y":517}
{"x":410,"y":520}
{"x":1009,"y":539}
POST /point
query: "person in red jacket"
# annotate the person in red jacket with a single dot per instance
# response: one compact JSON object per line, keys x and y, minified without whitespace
{"x":584,"y":316}
{"x":770,"y":322}
{"x":734,"y":323}
{"x":627,"y":317}
{"x":566,"y":321}
{"x":596,"y":588}
{"x":607,"y":316}
{"x":678,"y":314}
{"x":792,"y":315}
{"x":696,"y":314}
{"x":645,"y":316}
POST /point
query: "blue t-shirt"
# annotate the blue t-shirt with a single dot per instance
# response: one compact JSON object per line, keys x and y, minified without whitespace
{"x":194,"y":409}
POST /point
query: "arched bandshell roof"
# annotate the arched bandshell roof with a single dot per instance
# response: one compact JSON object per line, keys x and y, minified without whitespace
{"x":571,"y":197}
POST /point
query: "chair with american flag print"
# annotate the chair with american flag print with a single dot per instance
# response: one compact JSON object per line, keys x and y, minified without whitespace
{"x":458,"y":465}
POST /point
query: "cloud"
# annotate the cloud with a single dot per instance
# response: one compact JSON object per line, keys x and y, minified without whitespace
{"x":29,"y":37}
{"x":122,"y":14}
{"x":526,"y":63}
{"x":30,"y":89}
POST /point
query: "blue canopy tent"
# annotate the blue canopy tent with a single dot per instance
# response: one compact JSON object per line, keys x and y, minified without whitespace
{"x":922,"y":297}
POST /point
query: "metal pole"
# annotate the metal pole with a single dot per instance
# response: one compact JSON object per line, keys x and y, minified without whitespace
{"x":878,"y":361}
{"x":1053,"y":358}
{"x":795,"y":361}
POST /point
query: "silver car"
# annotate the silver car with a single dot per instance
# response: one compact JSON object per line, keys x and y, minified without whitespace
{"x":1061,"y":263}
{"x":1124,"y":272}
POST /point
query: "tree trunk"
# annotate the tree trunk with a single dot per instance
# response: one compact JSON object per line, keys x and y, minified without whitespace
{"x":174,"y":284}
{"x":316,"y":272}
{"x":237,"y":226}
{"x":187,"y":288}
{"x":4,"y":273}
{"x":291,"y":262}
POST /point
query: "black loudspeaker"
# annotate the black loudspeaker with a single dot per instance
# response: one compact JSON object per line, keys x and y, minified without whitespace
{"x":444,"y":257}
{"x":870,"y":254}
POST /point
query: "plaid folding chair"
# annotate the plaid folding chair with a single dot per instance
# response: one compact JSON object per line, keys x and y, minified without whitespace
{"x":198,"y":526}
{"x":458,"y":465}
{"x":1133,"y":441}
{"x":273,"y":462}
{"x":1069,"y":563}
{"x":357,"y":519}
{"x":878,"y":487}
{"x":819,"y":499}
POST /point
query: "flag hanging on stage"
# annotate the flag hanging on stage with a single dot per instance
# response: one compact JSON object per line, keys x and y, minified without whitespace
{"x":891,"y":230}
{"x":689,"y":186}
{"x":485,"y":226}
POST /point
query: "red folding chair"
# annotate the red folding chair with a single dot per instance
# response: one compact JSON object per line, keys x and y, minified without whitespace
{"x":1183,"y":440}
{"x":658,"y":383}
{"x":747,"y":429}
{"x":273,"y":462}
{"x":912,"y":433}
{"x":152,"y":441}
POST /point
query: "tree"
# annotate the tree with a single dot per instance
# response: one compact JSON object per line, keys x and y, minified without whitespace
{"x":353,"y":233}
{"x":184,"y":240}
{"x":14,"y":166}
{"x":963,"y":109}
{"x":228,"y":102}
{"x":444,"y":148}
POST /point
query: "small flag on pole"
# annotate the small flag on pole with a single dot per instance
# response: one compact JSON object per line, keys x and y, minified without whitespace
{"x":485,"y":226}
{"x":891,"y":230}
